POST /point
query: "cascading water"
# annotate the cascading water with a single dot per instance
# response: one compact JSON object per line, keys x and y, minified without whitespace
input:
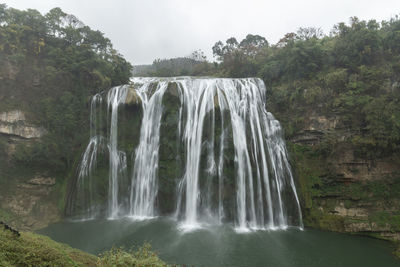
{"x":89,"y":160}
{"x":234,"y":160}
{"x":115,"y":97}
{"x":144,"y":178}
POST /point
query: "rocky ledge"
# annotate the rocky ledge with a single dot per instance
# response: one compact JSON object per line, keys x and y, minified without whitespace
{"x":14,"y":123}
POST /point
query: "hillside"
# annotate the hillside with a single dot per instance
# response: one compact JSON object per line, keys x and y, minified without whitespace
{"x":50,"y":65}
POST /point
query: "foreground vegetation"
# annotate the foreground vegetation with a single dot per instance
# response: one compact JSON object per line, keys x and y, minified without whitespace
{"x":31,"y":249}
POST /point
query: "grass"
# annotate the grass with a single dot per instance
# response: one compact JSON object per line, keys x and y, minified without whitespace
{"x":34,"y":250}
{"x":31,"y":249}
{"x":141,"y":257}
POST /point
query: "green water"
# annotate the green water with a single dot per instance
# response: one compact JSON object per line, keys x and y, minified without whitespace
{"x":222,"y":246}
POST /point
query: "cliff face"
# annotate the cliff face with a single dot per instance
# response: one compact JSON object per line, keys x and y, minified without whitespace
{"x":27,"y":198}
{"x":47,"y":73}
{"x":341,"y":188}
{"x":14,"y":123}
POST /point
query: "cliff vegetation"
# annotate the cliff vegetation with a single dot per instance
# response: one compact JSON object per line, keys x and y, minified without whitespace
{"x":49,"y":67}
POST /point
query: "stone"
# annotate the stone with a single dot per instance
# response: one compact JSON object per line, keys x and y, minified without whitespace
{"x":42,"y":181}
{"x":132,"y":97}
{"x":12,"y":116}
{"x":322,"y":123}
{"x":14,"y":123}
{"x":308,"y":137}
{"x":366,"y":227}
{"x":350,"y":212}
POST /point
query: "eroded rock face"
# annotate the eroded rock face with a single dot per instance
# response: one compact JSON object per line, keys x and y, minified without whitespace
{"x":31,"y":205}
{"x":316,"y":126}
{"x":341,"y":210}
{"x":29,"y":199}
{"x":366,"y":227}
{"x":343,"y":190}
{"x":12,"y":116}
{"x":350,"y":168}
{"x":14,"y":123}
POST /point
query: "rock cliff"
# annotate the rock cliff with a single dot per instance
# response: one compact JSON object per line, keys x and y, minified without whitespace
{"x":14,"y":123}
{"x":26,"y":198}
{"x":343,"y":189}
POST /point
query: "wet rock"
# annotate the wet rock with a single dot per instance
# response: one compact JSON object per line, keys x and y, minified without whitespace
{"x":132,"y":97}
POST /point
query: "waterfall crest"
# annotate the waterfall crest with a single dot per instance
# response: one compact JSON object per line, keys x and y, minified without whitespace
{"x":233,"y":159}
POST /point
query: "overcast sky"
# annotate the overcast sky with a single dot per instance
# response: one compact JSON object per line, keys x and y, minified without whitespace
{"x":143,"y":30}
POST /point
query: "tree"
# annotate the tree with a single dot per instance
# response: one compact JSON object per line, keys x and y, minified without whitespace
{"x":252,"y":44}
{"x":198,"y":55}
{"x":217,"y":49}
{"x":289,"y":38}
{"x":55,"y":18}
{"x":309,"y":32}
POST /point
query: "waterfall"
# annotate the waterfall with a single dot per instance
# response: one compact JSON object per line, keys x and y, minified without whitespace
{"x":115,"y":97}
{"x":88,"y":163}
{"x":234,"y":160}
{"x":144,"y":178}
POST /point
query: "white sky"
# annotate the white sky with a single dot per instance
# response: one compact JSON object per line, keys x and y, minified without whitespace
{"x":143,"y":30}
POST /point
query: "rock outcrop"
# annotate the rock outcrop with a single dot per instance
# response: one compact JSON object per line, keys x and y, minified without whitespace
{"x":341,"y":189}
{"x":14,"y":123}
{"x":27,"y":198}
{"x":30,"y":204}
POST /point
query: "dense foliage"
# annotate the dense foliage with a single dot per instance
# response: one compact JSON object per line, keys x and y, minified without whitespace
{"x":353,"y":73}
{"x":49,"y":65}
